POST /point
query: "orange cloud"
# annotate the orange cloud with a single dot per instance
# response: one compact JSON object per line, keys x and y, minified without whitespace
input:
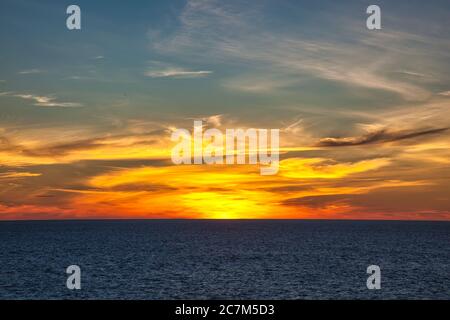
{"x":224,"y":191}
{"x":200,"y":191}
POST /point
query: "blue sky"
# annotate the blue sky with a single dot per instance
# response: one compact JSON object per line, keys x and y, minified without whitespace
{"x":262,"y":55}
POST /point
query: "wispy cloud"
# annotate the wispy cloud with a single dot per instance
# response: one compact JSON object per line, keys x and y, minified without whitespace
{"x":15,"y":149}
{"x":31,"y":71}
{"x":226,"y":34}
{"x":43,"y":101}
{"x":176,"y":73}
{"x":261,"y":84}
{"x":214,"y":121}
{"x":15,"y":175}
{"x":78,"y":78}
{"x":415,"y":74}
{"x":378,"y":136}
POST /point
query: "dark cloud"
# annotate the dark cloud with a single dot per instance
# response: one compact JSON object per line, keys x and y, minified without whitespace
{"x":56,"y":181}
{"x":319,"y":201}
{"x":78,"y":145}
{"x":290,"y":188}
{"x":140,"y":187}
{"x":48,"y":151}
{"x":395,"y":200}
{"x":380,"y":136}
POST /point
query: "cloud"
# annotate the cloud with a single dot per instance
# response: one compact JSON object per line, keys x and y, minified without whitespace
{"x":318,"y":168}
{"x":233,"y":191}
{"x":415,"y":74}
{"x":378,"y":136}
{"x":14,"y":175}
{"x":16,"y":151}
{"x":76,"y":78}
{"x":258,"y":84}
{"x":43,"y":101}
{"x":31,"y":71}
{"x":325,"y":199}
{"x":214,"y":120}
{"x":176,"y":73}
{"x":224,"y":33}
{"x":319,"y":201}
{"x":294,"y":127}
{"x":114,"y":187}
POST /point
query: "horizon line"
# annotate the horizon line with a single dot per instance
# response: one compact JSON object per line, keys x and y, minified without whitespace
{"x":221,"y":220}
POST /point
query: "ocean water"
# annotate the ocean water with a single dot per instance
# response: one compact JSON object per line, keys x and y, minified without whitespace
{"x":198,"y":259}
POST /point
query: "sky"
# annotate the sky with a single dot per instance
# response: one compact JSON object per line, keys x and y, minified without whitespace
{"x":86,"y":115}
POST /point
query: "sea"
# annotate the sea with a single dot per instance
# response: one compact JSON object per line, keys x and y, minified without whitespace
{"x":224,"y":259}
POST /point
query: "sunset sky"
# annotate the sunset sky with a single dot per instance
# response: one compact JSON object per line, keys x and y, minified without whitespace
{"x":86,"y":116}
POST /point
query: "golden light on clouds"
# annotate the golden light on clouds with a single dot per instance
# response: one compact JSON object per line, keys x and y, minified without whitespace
{"x":227,"y":192}
{"x":131,"y":176}
{"x":326,"y":169}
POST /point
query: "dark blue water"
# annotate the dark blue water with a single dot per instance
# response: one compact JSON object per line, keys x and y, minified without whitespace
{"x":224,"y":259}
